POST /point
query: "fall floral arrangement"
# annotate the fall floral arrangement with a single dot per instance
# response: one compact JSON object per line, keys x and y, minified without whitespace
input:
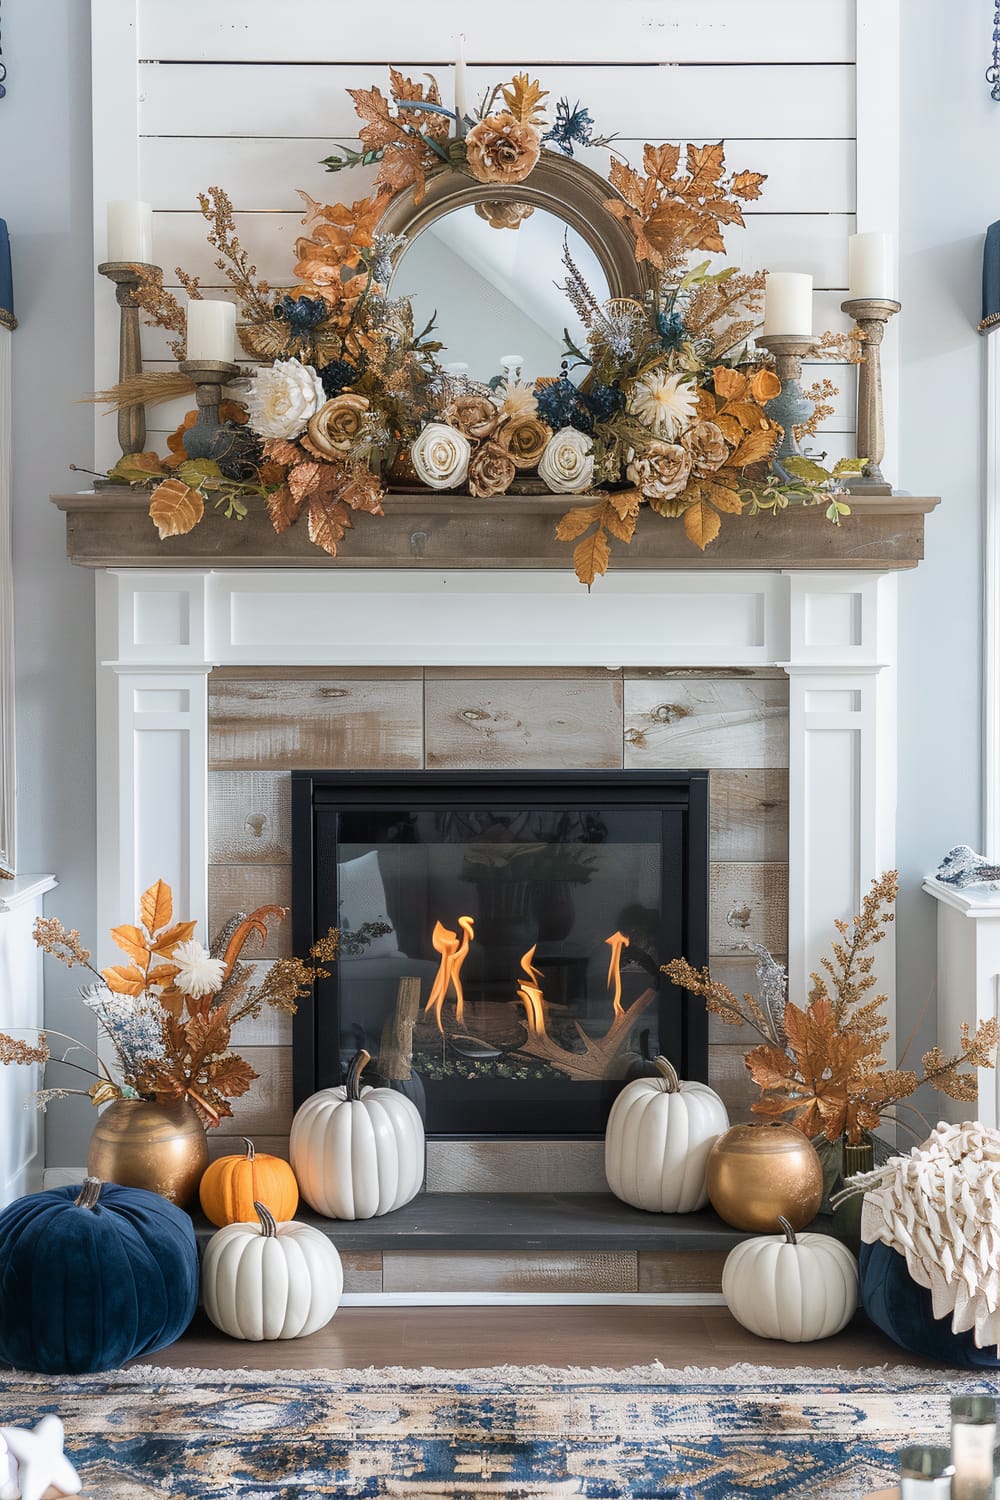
{"x":668,"y":409}
{"x":821,"y":1065}
{"x":169,"y":1011}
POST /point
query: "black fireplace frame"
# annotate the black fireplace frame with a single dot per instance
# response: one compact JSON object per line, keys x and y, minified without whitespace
{"x":316,"y":1027}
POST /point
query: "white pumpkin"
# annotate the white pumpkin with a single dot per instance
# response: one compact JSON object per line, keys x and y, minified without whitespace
{"x":270,"y":1281}
{"x":656,"y":1146}
{"x":357,"y":1152}
{"x":780,"y":1286}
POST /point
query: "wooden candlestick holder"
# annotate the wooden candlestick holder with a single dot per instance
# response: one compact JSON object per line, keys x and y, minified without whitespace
{"x":209,"y":379}
{"x":127,"y":276}
{"x":792,"y":407}
{"x":871,"y":314}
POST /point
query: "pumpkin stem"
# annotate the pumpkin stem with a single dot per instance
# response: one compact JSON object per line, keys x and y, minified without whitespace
{"x":251,"y":1153}
{"x":789,"y":1231}
{"x":268,"y":1227}
{"x":359,"y":1063}
{"x":89,"y":1193}
{"x":668,"y":1073}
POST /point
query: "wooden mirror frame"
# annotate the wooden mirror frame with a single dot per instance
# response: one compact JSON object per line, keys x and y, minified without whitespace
{"x":564,"y":187}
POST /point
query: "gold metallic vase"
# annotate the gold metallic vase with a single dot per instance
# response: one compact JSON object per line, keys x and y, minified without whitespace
{"x":159,"y":1146}
{"x":757,"y":1173}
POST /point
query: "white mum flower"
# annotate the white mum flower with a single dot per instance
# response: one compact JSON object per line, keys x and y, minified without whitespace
{"x":667,"y":404}
{"x":515,"y":398}
{"x":198,"y":973}
{"x":282,"y":397}
{"x":567,"y":465}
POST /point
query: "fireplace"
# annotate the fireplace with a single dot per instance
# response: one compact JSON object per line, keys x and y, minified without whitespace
{"x":513,"y":983}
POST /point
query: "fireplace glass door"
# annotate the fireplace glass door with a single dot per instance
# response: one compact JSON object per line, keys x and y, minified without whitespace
{"x":501,"y":939}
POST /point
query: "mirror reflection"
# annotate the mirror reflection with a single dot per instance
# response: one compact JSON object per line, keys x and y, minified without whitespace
{"x":493,"y":272}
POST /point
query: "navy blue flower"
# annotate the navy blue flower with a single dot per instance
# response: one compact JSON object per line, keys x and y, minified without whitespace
{"x":603,"y":401}
{"x":302,"y":314}
{"x":560,"y":405}
{"x":670,"y":327}
{"x":570,"y":125}
{"x":337,"y":376}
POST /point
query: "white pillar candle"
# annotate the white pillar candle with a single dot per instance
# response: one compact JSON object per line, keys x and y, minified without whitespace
{"x":872,"y":266}
{"x":211,"y":331}
{"x":130,"y":231}
{"x":511,"y":364}
{"x":788,"y":303}
{"x":461,"y":94}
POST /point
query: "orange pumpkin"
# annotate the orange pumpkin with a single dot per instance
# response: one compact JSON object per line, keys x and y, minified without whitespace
{"x":232,"y":1185}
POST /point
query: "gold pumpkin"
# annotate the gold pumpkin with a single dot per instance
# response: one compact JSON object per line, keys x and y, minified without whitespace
{"x":232,"y":1185}
{"x":757,"y":1174}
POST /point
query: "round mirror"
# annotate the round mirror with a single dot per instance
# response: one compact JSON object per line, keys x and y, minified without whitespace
{"x":491,"y":276}
{"x":488,"y":260}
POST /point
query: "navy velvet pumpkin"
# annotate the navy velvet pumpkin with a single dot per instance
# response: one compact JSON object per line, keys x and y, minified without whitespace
{"x":903,"y":1310}
{"x":84,"y":1288}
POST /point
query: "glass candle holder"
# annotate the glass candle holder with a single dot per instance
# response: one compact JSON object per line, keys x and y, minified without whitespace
{"x":925,"y":1473}
{"x":973,"y":1435}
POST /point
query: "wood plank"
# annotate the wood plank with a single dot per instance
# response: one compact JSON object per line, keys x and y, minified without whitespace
{"x":728,"y":1076}
{"x":249,"y":818}
{"x":757,"y":896}
{"x":266,"y":1108}
{"x":509,"y":1271}
{"x":643,"y":99}
{"x":362,"y":1270}
{"x":709,"y":723}
{"x":112,"y":529}
{"x":749,"y":811}
{"x":272,"y":1028}
{"x":681,"y":1271}
{"x":560,"y":724}
{"x":816,"y":243}
{"x":515,"y":1167}
{"x":257,"y":31}
{"x":262,"y":174}
{"x":233,"y":888}
{"x":228,"y":1145}
{"x":314,"y":725}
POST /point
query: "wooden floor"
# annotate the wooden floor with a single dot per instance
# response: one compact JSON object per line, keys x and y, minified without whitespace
{"x":464,"y":1337}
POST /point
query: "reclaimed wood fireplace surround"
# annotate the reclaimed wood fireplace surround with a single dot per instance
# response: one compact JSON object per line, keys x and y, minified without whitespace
{"x":452,"y":635}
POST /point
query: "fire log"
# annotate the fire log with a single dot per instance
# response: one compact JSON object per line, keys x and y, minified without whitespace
{"x":395,"y":1055}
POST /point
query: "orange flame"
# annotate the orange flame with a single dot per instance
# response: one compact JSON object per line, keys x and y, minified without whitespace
{"x":530,"y":994}
{"x":616,"y":942}
{"x":453,"y":953}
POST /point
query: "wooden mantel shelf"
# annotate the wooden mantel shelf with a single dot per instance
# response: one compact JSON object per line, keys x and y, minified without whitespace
{"x":110,"y":528}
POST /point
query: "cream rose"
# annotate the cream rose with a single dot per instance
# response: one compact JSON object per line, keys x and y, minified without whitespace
{"x":567,"y":464}
{"x":661,"y":472}
{"x":282,"y":397}
{"x":707,"y":446}
{"x":440,"y":455}
{"x":335,"y":427}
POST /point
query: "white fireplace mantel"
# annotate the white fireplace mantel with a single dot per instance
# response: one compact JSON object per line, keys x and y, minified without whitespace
{"x":160,"y":633}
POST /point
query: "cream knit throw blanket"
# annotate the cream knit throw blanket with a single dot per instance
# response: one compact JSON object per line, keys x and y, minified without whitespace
{"x":940,"y":1208}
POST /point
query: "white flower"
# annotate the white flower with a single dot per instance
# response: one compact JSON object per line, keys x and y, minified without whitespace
{"x":515,"y":398}
{"x":282,"y":398}
{"x":567,"y":465}
{"x":440,"y":455}
{"x":198,"y":973}
{"x":667,"y":404}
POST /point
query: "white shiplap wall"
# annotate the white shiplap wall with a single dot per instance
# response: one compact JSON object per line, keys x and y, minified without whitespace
{"x":248,"y":94}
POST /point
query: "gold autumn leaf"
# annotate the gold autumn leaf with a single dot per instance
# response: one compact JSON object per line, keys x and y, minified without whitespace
{"x":731,"y":385}
{"x":575,"y":522}
{"x":591,"y":557}
{"x":166,"y":942}
{"x":625,"y":502}
{"x":523,"y":97}
{"x":229,"y":1076}
{"x":124,"y":979}
{"x":764,"y":386}
{"x":747,"y":184}
{"x":811,"y":1083}
{"x":702,"y":524}
{"x":626,"y":180}
{"x":707,"y":405}
{"x":164,"y":974}
{"x":719,"y":491}
{"x":329,"y":519}
{"x":620,"y":526}
{"x":380,"y":128}
{"x":705,"y":165}
{"x":136,"y":468}
{"x":731,"y":429}
{"x":303,"y":479}
{"x":404,"y":164}
{"x":283,"y":508}
{"x":282,"y":451}
{"x":747,"y":413}
{"x":156,"y":907}
{"x":131,"y":941}
{"x":175,"y":508}
{"x":755,"y":447}
{"x":661,"y":162}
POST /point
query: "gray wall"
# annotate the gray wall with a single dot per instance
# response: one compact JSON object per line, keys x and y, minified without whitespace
{"x":951,"y":131}
{"x":950,"y":192}
{"x":45,"y":196}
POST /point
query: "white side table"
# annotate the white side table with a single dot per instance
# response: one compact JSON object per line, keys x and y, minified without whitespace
{"x":968,"y":980}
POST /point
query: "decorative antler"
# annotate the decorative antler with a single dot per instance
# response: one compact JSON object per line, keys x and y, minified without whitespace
{"x":599,"y":1058}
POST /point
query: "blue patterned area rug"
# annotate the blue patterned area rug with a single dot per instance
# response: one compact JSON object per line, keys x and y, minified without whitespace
{"x":507,"y":1433}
